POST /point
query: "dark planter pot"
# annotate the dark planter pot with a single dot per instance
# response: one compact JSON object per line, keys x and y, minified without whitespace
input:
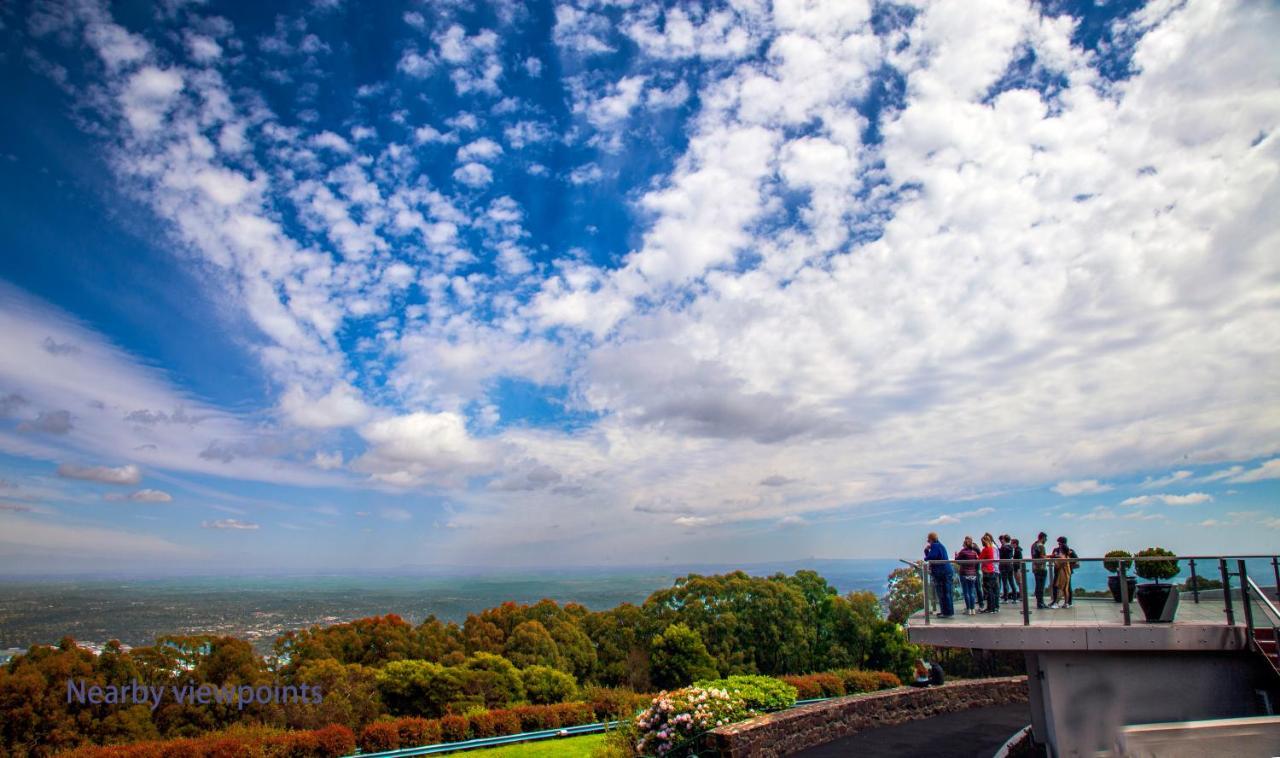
{"x":1113,"y":584}
{"x":1159,"y":602}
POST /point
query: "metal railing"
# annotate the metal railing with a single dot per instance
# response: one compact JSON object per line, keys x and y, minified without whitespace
{"x":1022,"y":565}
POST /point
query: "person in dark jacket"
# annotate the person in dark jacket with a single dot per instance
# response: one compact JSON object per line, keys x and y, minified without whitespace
{"x":1018,"y":568}
{"x":1039,"y":568}
{"x":942,"y":574}
{"x":1006,"y":569}
{"x":968,"y":575}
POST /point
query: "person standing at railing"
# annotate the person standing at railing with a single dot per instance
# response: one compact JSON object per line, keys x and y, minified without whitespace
{"x":1038,"y":568}
{"x":1006,"y":569}
{"x":1062,"y":574}
{"x":1017,"y":571}
{"x":990,"y":575}
{"x":942,"y":572}
{"x":969,"y":575}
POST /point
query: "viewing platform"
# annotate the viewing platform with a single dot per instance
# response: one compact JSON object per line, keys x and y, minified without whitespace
{"x":1179,"y":664}
{"x":1089,"y":624}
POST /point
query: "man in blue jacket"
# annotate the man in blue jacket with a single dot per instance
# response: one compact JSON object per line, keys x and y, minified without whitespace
{"x":942,"y":574}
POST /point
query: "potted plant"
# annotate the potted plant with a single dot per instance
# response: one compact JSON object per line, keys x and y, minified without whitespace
{"x":1159,"y":601}
{"x":1114,"y":565}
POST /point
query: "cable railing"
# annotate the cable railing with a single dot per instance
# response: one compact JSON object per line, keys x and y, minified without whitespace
{"x":1199,"y":586}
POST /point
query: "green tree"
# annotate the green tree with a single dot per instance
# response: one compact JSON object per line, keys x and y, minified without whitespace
{"x":419,"y":688}
{"x":530,"y":644}
{"x":680,"y":657}
{"x":491,"y":680}
{"x":905,"y":595}
{"x":543,"y":684}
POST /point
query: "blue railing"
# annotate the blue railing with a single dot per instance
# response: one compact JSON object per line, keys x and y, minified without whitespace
{"x":509,"y":739}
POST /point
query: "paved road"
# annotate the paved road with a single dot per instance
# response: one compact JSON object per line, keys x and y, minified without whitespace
{"x":976,"y":733}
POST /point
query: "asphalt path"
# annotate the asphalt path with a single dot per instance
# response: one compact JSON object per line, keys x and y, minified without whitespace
{"x":975,"y":733}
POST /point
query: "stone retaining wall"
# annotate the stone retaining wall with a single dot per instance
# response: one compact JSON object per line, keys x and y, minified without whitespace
{"x":779,"y":734}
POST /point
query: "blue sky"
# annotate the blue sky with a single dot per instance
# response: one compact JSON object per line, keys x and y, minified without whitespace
{"x":322,"y":285}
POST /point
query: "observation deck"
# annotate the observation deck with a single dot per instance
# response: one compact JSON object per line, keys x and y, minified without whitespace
{"x":1209,"y":650}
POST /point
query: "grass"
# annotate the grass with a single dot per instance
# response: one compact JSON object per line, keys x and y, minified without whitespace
{"x":572,"y":747}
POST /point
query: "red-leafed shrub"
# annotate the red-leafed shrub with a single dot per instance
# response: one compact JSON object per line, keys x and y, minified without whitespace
{"x":334,"y":741}
{"x":481,"y":724}
{"x":572,"y":714}
{"x":505,"y":722}
{"x":380,"y":736}
{"x":815,"y":685}
{"x":608,"y":704}
{"x":888,"y":680}
{"x":533,"y":718}
{"x":415,"y":732}
{"x":453,"y":728}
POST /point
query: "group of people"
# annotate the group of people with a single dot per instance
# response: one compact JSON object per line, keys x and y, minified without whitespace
{"x":992,"y":573}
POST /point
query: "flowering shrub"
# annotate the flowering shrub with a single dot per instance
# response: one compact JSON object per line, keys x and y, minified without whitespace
{"x":676,"y":718}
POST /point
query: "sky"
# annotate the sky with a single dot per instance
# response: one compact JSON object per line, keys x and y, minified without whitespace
{"x":326,"y":285}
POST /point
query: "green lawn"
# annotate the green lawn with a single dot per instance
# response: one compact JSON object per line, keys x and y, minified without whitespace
{"x":574,"y":747}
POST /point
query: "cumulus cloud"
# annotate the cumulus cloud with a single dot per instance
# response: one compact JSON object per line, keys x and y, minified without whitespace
{"x":988,"y":282}
{"x":341,"y":406}
{"x":127,"y":474}
{"x":1080,"y":487}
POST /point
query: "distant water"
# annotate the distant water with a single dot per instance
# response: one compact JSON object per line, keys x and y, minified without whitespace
{"x":261,"y":607}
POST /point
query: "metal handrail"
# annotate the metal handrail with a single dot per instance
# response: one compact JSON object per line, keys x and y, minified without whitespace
{"x":1270,"y":607}
{"x":925,"y":567}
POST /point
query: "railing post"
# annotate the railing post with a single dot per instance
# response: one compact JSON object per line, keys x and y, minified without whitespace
{"x":1244,"y":594}
{"x":924,"y":586}
{"x":1022,"y":590}
{"x":1195,"y":583}
{"x":1226,"y":592}
{"x":1124,"y":595}
{"x":1275,"y":566}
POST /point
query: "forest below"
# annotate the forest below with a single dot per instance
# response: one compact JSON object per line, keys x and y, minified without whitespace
{"x":512,"y":655}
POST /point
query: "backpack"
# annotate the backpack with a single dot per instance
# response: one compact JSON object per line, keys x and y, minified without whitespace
{"x":1075,"y":565}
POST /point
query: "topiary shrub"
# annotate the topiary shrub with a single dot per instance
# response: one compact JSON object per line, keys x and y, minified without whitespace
{"x":481,"y":725}
{"x":572,"y":714}
{"x":505,"y":722}
{"x":415,"y":731}
{"x":454,"y":728}
{"x":380,"y":736}
{"x":1113,"y":566}
{"x":1157,"y":570}
{"x":533,"y":718}
{"x":759,"y":693}
{"x":887,"y":680}
{"x":336,"y":740}
{"x":676,"y":718}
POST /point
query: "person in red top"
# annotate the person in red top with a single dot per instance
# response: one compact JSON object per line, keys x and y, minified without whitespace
{"x":990,"y":574}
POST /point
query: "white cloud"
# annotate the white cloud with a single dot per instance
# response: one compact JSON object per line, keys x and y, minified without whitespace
{"x":149,"y":96}
{"x":1268,"y":470}
{"x":1165,"y":481}
{"x":955,"y":518}
{"x":229,"y":523}
{"x":142,"y":496}
{"x":340,"y":406}
{"x":1193,"y":498}
{"x":483,"y":149}
{"x":473,"y":175}
{"x":127,"y":474}
{"x":417,"y":446}
{"x":1080,"y":487}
